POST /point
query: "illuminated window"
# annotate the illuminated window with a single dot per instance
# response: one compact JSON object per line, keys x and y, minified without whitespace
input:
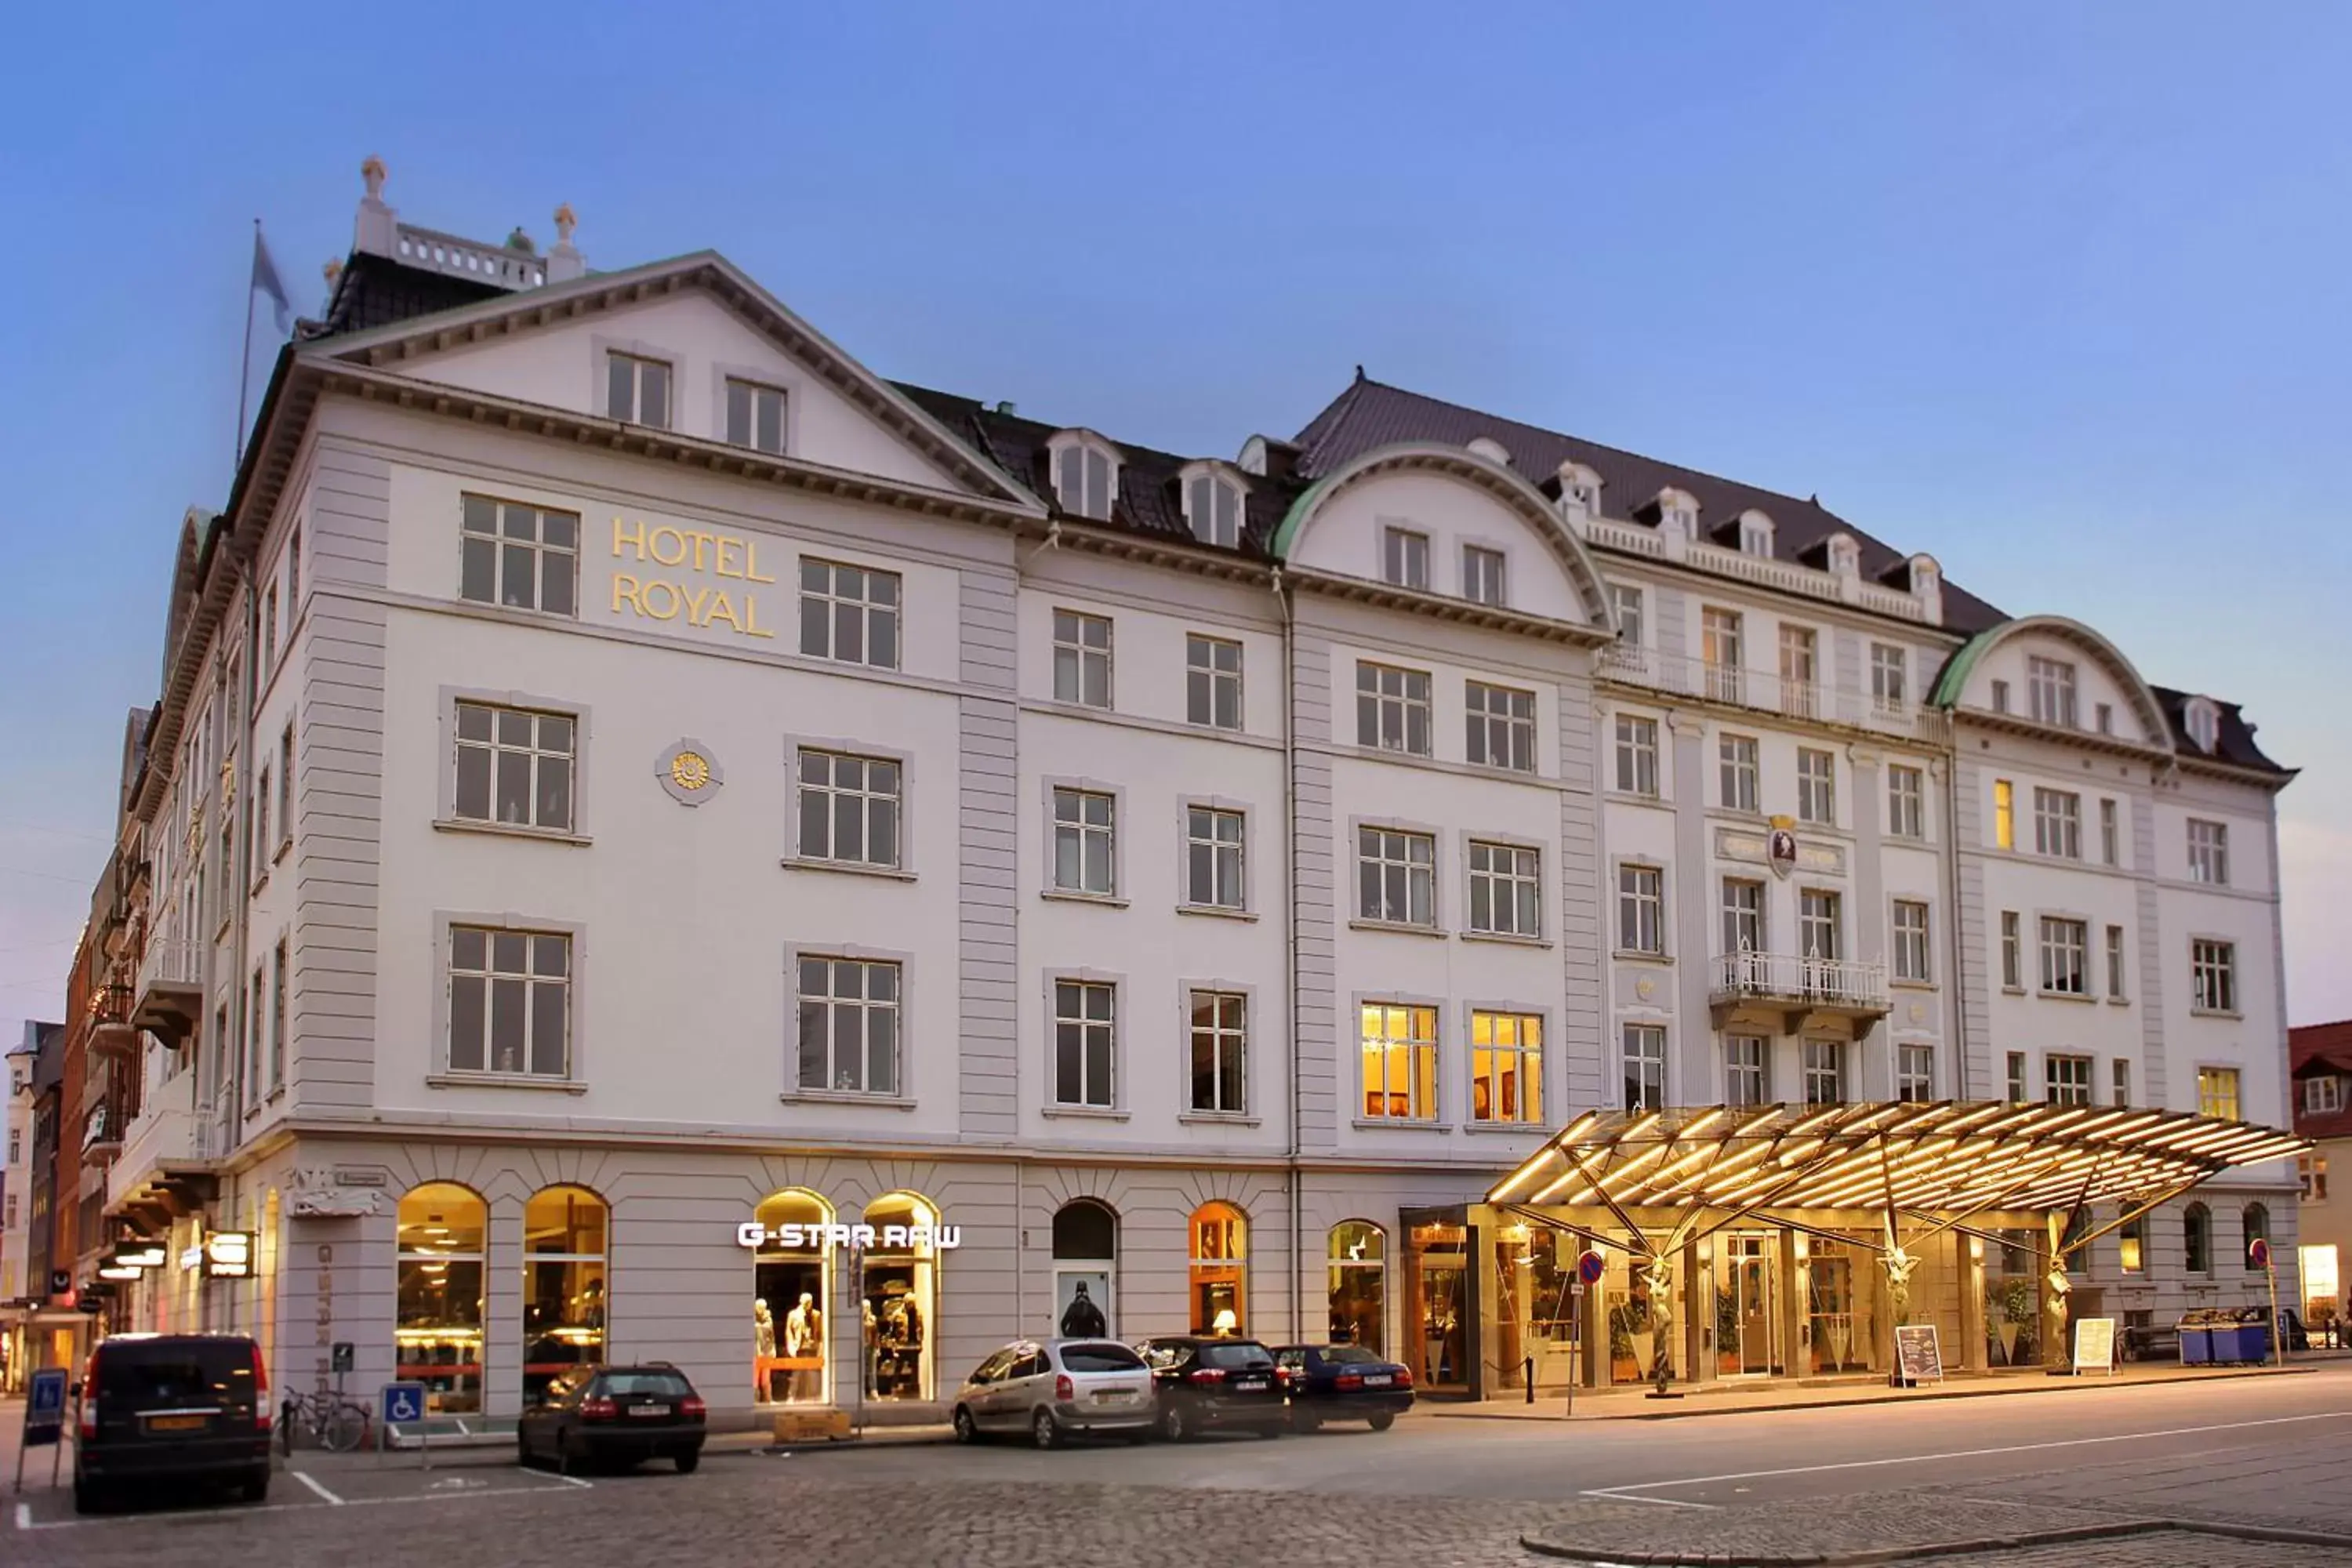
{"x":437,"y":1329}
{"x":1720,"y":647}
{"x":2217,"y":1092}
{"x":1506,"y":1067}
{"x":791,"y":1288}
{"x":1219,"y":1271}
{"x":1400,"y":1062}
{"x":2133,"y":1246}
{"x":900,"y":1282}
{"x":2004,"y":815}
{"x":1358,"y":1285}
{"x":565,"y":1285}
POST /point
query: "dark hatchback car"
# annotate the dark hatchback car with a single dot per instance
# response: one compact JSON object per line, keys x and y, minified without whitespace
{"x":1343,"y":1383}
{"x":615,"y":1415}
{"x":1211,"y":1384}
{"x":155,"y":1408}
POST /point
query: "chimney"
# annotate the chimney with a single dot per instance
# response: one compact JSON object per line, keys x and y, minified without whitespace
{"x":565,"y":263}
{"x":377,"y":232}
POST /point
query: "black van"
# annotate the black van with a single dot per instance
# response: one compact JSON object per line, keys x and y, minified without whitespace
{"x":163,"y":1408}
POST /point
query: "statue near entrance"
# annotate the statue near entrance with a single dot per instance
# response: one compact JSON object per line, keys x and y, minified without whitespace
{"x":1659,"y":1276}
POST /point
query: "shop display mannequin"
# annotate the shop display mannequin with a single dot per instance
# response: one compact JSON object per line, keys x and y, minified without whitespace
{"x":763,"y":1329}
{"x":804,"y":1336}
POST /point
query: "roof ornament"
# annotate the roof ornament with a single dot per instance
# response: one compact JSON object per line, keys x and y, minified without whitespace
{"x":566,"y":220}
{"x":372,"y":171}
{"x":565,"y":263}
{"x":332,"y":272}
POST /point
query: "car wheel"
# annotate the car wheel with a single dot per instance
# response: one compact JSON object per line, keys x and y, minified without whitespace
{"x":687,"y":1459}
{"x":1045,"y":1430}
{"x":1384,"y":1420}
{"x":257,"y":1486}
{"x":967,"y":1430}
{"x":1172,"y":1425}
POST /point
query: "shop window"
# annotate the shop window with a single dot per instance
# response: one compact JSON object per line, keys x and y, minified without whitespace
{"x":437,"y":1336}
{"x":900,"y":1296}
{"x":564,"y":1232}
{"x":1086,"y":1255}
{"x":1359,"y":1285}
{"x":1219,"y":1264}
{"x":2197,"y":1238}
{"x":2132,"y":1245}
{"x":790,"y":1287}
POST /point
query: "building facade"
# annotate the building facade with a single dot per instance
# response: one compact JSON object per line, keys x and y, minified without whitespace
{"x":2321,"y":1059}
{"x":658,"y":842}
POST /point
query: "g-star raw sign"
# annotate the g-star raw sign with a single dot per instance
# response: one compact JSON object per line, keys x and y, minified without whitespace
{"x":859,"y":1238}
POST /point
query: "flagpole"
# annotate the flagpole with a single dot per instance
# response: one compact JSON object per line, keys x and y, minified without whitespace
{"x":245,"y":365}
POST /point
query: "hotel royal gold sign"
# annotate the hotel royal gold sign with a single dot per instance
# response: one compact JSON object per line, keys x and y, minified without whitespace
{"x":706,"y":578}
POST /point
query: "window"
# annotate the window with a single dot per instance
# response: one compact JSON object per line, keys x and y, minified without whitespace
{"x":1212,"y":681}
{"x":1081,"y":659}
{"x":1906,"y":802}
{"x":1505,"y":884}
{"x":1218,"y":1275}
{"x":1743,"y":916}
{"x":268,"y":635}
{"x":2004,"y":815}
{"x":293,"y":577}
{"x":1824,"y":1072}
{"x":1219,"y":1037}
{"x":2110,"y":836}
{"x":1637,"y":755}
{"x":2212,"y":975}
{"x":1396,"y":877}
{"x":2065,"y":1079}
{"x":260,"y":845}
{"x":755,"y":417}
{"x":849,"y":613}
{"x":1393,"y":708}
{"x":518,"y":556}
{"x":1082,"y":481}
{"x":1817,"y":786}
{"x":515,"y":767}
{"x":1641,"y":905}
{"x":2017,"y":1077}
{"x":2323,"y":1096}
{"x":1887,"y":686}
{"x":564,"y":1290}
{"x":2013,"y":968}
{"x":1738,"y":755}
{"x":2310,"y":1174}
{"x":1400,"y":1055}
{"x":1915,"y":1072}
{"x":15,"y":1146}
{"x":2197,"y":1238}
{"x":1817,"y":923}
{"x":2204,"y":724}
{"x":2065,"y":958}
{"x":1747,"y":1077}
{"x":1719,"y":650}
{"x":2051,"y":684}
{"x":2209,"y":852}
{"x":277,"y":1017}
{"x":849,"y":1025}
{"x":1358,"y":1285}
{"x":285,"y":785}
{"x":510,"y":1002}
{"x":2000,"y":695}
{"x":1799,"y":671}
{"x":1644,"y":1047}
{"x":1911,"y":940}
{"x":256,"y":1028}
{"x":2115,"y":964}
{"x":2106,"y":718}
{"x":1506,"y":1067}
{"x":1085,"y":1025}
{"x":1754,"y":536}
{"x":2120,"y":1069}
{"x":1502,"y":726}
{"x":2217,"y":1092}
{"x":1084,"y":841}
{"x":636,"y":391}
{"x":438,"y":1251}
{"x":1213,"y":508}
{"x":2253,"y":1224}
{"x":2058,"y":824}
{"x":1627,"y":600}
{"x":1482,"y":574}
{"x":851,"y":808}
{"x":1212,"y":859}
{"x":1404,"y":558}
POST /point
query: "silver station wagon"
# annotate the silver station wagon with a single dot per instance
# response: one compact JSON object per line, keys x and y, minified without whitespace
{"x":1054,"y":1389}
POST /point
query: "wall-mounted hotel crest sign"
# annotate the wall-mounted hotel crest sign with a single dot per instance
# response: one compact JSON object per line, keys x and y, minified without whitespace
{"x":1780,"y":846}
{"x":689,"y":772}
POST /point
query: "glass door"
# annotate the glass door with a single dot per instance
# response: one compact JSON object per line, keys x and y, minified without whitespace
{"x":1748,"y":1336}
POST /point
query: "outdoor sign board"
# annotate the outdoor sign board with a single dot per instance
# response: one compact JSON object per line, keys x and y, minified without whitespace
{"x":44,"y":1420}
{"x":229,"y":1255}
{"x":2095,"y":1345}
{"x":402,"y":1403}
{"x":1918,"y":1358}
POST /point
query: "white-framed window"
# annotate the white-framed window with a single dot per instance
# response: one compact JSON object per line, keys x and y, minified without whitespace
{"x":755,"y":417}
{"x":1637,"y":755}
{"x":2321,"y":1096}
{"x":2065,"y":1079}
{"x":515,"y":766}
{"x":259,"y":849}
{"x":523,"y":557}
{"x":851,"y":808}
{"x":1396,"y":877}
{"x":2217,"y":1092}
{"x":1719,"y":651}
{"x":1482,"y":576}
{"x":1404,"y":557}
{"x":1397,"y":1047}
{"x":2051,"y":682}
{"x":1911,"y":946}
{"x":1643,"y":1049}
{"x":1824,"y":1062}
{"x":1213,"y":509}
{"x":1818,"y":923}
{"x":2204,"y":721}
{"x":1085,"y":1042}
{"x":269,"y":634}
{"x":277,"y":1040}
{"x":2209,"y":852}
{"x":1392,"y":710}
{"x":1889,"y":688}
{"x":2115,"y":964}
{"x":1212,"y":681}
{"x":2110,"y":835}
{"x":1212,"y":858}
{"x":1627,"y":600}
{"x":2310,"y":1175}
{"x":1736,"y":755}
{"x":1801,"y":670}
{"x":1906,"y":802}
{"x":637,"y":390}
{"x":2065,"y":957}
{"x":1506,"y":889}
{"x":2017,"y":1077}
{"x":1086,"y":857}
{"x":2058,"y":824}
{"x":1915,"y":1072}
{"x":1086,"y":479}
{"x":510,"y":1002}
{"x":849,"y":613}
{"x":1501,"y":721}
{"x":2120,"y":1070}
{"x":2012,"y":959}
{"x":2103,"y":717}
{"x":849,"y":1025}
{"x":1641,"y":908}
{"x":1506,"y":1067}
{"x":1220,"y":1027}
{"x":1743,"y":915}
{"x":1747,"y":1069}
{"x":1817,"y":786}
{"x":1081,"y":659}
{"x":285,"y":785}
{"x":2000,"y":695}
{"x":2212,"y":975}
{"x":1756,"y":536}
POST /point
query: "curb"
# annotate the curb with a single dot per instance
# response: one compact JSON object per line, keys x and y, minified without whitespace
{"x":2020,"y":1541}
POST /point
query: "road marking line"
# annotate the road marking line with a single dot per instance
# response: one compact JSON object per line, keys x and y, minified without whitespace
{"x":24,"y":1516}
{"x":576,"y":1481}
{"x":1965,"y":1453}
{"x":308,"y":1481}
{"x":1660,"y":1501}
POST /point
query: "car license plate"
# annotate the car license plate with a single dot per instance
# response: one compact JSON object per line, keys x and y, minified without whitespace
{"x":1249,"y":1385}
{"x":175,"y":1422}
{"x":1379,"y":1380}
{"x":648,"y":1409}
{"x":1113,"y":1395}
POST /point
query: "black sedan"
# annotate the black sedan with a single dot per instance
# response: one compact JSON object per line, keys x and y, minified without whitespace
{"x":1343,"y":1383}
{"x":614,"y":1414}
{"x":1206,"y":1384}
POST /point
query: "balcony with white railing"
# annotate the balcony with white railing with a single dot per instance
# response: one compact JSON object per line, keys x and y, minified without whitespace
{"x":163,"y":1135}
{"x":1764,"y":691}
{"x":1799,"y":988}
{"x":496,"y":264}
{"x":1763,"y":571}
{"x":170,"y":989}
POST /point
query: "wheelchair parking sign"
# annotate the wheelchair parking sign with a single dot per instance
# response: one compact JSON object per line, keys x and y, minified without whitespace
{"x":402,"y":1403}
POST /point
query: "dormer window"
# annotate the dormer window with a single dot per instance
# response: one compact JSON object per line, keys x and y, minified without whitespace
{"x":2204,"y":720}
{"x":1213,"y":508}
{"x":1845,"y":555}
{"x":1580,"y":489}
{"x":1086,"y":476}
{"x":1678,"y":514}
{"x":1756,"y":534}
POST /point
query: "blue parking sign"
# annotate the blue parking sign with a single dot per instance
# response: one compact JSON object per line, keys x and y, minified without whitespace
{"x":45,"y":1411}
{"x":402,"y":1403}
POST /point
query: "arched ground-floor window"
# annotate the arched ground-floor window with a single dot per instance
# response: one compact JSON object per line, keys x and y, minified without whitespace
{"x":1219,"y":1271}
{"x":2253,"y":1224}
{"x":1358,"y":1285}
{"x":900,"y":1298}
{"x":2197,"y":1238}
{"x":565,"y":1284}
{"x":1086,"y":1258}
{"x":437,"y":1332}
{"x":792,"y":1275}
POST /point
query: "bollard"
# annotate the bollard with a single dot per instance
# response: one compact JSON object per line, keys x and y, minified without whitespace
{"x":1530,"y":1375}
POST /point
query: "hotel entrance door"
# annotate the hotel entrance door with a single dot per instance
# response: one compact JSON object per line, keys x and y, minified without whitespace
{"x":1747,"y":1328}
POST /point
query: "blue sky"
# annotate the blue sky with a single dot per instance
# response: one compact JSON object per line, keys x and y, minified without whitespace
{"x":2053,"y":293}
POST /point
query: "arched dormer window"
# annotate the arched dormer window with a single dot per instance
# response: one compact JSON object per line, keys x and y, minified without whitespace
{"x":1844,"y":554}
{"x":1493,"y":451}
{"x":1086,"y":474}
{"x":1755,"y":533}
{"x":2203,"y":717}
{"x":1678,"y":514}
{"x":1579,"y":490}
{"x":1212,"y":505}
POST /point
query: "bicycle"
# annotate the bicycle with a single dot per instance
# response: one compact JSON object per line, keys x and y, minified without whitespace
{"x":328,"y":1421}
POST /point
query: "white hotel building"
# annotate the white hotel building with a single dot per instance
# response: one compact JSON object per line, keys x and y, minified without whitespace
{"x":625,"y":773}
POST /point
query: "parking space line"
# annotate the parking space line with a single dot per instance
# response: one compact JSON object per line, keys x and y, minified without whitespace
{"x":1614,"y":1496}
{"x":311,"y":1482}
{"x":575,"y":1480}
{"x":24,"y":1516}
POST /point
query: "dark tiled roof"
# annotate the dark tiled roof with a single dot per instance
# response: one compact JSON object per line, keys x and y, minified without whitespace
{"x":2314,"y":1051}
{"x":376,"y":290}
{"x":1371,"y":414}
{"x":2234,"y":741}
